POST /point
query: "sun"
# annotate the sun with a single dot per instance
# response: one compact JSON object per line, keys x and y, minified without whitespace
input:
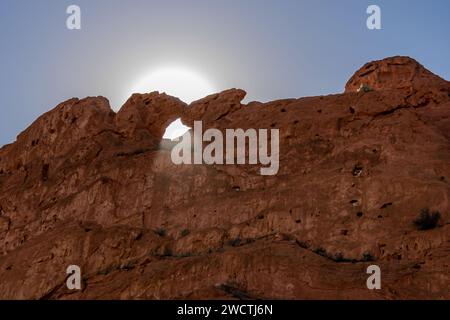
{"x":179,"y":82}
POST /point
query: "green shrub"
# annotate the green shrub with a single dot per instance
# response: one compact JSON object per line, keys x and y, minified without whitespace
{"x":321,"y":252}
{"x":427,"y":220}
{"x":167,"y":252}
{"x":236,"y":242}
{"x":367,"y":256}
{"x":160,"y":232}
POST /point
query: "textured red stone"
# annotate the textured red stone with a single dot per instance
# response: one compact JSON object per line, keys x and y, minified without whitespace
{"x":86,"y":186}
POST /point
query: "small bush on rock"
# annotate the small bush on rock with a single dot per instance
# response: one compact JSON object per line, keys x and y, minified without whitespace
{"x":427,"y":220}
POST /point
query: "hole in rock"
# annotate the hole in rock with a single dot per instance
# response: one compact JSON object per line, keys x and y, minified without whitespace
{"x":175,"y":130}
{"x":352,"y":110}
{"x":45,"y":169}
{"x":359,"y":214}
{"x":357,"y":171}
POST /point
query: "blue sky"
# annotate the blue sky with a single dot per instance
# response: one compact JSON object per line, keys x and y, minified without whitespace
{"x":272,"y":49}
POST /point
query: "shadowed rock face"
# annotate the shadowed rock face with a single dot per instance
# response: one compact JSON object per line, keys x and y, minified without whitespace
{"x":83,"y":185}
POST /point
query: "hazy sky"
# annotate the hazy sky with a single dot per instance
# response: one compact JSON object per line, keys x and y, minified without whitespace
{"x":272,"y":49}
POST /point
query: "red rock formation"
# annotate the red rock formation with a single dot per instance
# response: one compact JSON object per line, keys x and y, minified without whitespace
{"x":83,"y":185}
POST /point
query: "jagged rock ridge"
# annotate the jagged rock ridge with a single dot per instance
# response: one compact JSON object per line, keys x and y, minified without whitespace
{"x":84,"y":185}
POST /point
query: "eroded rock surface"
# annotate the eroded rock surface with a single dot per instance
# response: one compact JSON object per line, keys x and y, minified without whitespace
{"x":85,"y":186}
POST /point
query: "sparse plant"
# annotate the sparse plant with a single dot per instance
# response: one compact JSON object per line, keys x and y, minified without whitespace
{"x":108,"y":270}
{"x":160,"y":232}
{"x":364,"y":88}
{"x":321,"y":252}
{"x":236,"y":242}
{"x":184,"y":232}
{"x":339,"y":257}
{"x":127,"y":266}
{"x":233,"y":290}
{"x":367,"y":256}
{"x":185,"y":255}
{"x":167,"y":252}
{"x":427,"y":220}
{"x":303,"y":244}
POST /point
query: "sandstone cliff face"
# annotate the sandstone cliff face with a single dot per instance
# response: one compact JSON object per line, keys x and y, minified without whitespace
{"x":86,"y":186}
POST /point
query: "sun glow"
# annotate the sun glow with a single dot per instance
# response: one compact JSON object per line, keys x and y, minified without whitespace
{"x":179,"y":82}
{"x":175,"y":81}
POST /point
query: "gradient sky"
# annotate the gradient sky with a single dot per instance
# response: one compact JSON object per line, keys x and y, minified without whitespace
{"x":272,"y":49}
